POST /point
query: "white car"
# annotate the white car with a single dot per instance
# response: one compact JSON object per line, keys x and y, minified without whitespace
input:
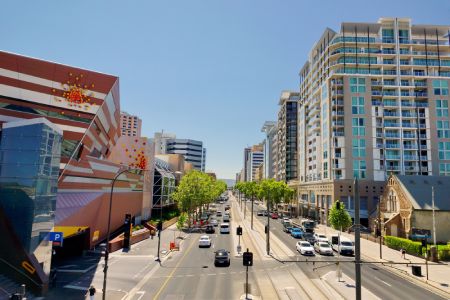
{"x":323,"y":248}
{"x":305,"y":248}
{"x":204,"y":241}
{"x":214,"y":222}
{"x":321,"y":238}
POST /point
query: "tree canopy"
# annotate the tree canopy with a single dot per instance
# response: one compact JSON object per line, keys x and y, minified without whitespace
{"x":339,"y":218}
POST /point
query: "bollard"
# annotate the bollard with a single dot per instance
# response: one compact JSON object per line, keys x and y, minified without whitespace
{"x":434,"y":254}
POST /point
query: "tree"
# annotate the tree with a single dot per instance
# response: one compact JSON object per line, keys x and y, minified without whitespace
{"x":338,"y":217}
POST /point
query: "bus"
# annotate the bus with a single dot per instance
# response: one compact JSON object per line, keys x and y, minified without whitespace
{"x":308,"y":225}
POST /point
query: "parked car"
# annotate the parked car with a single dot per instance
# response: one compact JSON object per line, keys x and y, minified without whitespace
{"x":320,"y":237}
{"x":260,"y":213}
{"x":210,"y":229}
{"x":323,"y":248}
{"x":204,"y":241}
{"x":222,"y":257}
{"x":362,"y":229}
{"x":265,"y":213}
{"x":287,"y":229}
{"x":296,"y":232}
{"x":309,"y":237}
{"x":305,"y":248}
{"x":274,"y":215}
{"x":214,"y":222}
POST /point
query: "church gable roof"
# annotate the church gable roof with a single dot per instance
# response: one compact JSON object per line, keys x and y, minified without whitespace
{"x":419,"y":190}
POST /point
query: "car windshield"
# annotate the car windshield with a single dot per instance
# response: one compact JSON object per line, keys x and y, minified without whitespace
{"x":305,"y":244}
{"x":346,"y":243}
{"x":222,"y":253}
{"x":324,"y":245}
{"x":322,"y":236}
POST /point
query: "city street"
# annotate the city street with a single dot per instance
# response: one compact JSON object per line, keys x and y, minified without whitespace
{"x":380,"y":282}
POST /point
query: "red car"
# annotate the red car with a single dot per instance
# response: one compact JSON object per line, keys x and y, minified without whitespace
{"x":274,"y":215}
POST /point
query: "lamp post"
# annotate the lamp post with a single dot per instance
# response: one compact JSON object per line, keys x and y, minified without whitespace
{"x":105,"y":269}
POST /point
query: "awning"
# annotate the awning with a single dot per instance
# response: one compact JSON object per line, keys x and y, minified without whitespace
{"x":69,"y":231}
{"x":165,"y":173}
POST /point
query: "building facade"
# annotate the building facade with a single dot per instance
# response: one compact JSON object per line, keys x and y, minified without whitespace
{"x":287,"y":137}
{"x":269,"y":144}
{"x":373,"y":102}
{"x":130,"y":125}
{"x":255,"y":157}
{"x":192,"y":151}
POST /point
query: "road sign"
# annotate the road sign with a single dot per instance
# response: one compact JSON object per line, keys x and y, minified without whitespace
{"x":56,"y":237}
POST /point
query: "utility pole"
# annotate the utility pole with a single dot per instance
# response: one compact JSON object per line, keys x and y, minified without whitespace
{"x":357,"y":242}
{"x":379,"y":227}
{"x":434,"y":216}
{"x":252,"y":214}
{"x":268,"y":227}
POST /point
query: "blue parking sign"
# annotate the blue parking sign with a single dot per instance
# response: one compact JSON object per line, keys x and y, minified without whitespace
{"x":56,"y":238}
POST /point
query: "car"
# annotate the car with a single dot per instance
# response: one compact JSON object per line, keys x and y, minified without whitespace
{"x":204,"y":217}
{"x":320,"y":237}
{"x":274,"y":215}
{"x":260,"y":213}
{"x":219,"y":213}
{"x":225,"y":228}
{"x":285,"y":219}
{"x":323,"y":248}
{"x":287,"y":229}
{"x":362,"y":229}
{"x":305,"y":248}
{"x":226,"y":217}
{"x":309,"y":237}
{"x":265,"y":213}
{"x":227,"y":207}
{"x":210,"y":229}
{"x":204,"y":241}
{"x":296,"y":232}
{"x":222,"y":258}
{"x":214,"y":222}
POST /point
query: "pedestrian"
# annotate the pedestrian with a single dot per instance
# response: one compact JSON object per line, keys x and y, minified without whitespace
{"x":403,"y":253}
{"x":91,"y":292}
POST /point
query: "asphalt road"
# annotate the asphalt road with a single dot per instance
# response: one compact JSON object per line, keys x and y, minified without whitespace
{"x":192,"y":274}
{"x":380,"y":282}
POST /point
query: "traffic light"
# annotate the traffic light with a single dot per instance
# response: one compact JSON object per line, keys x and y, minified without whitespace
{"x":239,"y":230}
{"x":247,"y":258}
{"x":338,"y":205}
{"x":127,"y":231}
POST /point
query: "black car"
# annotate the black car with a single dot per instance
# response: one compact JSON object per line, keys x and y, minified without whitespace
{"x":222,"y":258}
{"x":210,"y":229}
{"x":309,"y":237}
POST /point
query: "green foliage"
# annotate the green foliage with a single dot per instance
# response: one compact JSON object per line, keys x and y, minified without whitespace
{"x":195,"y":190}
{"x":397,"y":243}
{"x":181,"y":220}
{"x":339,"y":218}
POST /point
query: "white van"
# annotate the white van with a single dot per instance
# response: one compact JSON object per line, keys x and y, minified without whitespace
{"x":346,"y":246}
{"x":225,"y":228}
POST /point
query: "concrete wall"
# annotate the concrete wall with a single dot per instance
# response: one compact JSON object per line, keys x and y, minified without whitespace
{"x":423,"y":219}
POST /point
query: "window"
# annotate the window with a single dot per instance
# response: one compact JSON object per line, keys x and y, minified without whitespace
{"x":443,"y":129}
{"x":444,"y":150}
{"x":325,"y":170}
{"x":442,"y":108}
{"x":444,"y":169}
{"x":358,"y":127}
{"x":359,"y":169}
{"x":357,"y":85}
{"x":359,"y":147}
{"x":358,"y":105}
{"x":440,"y":87}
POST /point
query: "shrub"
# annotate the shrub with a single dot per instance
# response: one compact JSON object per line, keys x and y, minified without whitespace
{"x":397,"y":243}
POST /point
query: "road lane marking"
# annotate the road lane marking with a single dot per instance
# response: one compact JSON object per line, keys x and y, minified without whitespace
{"x":173,"y":271}
{"x":383,"y":281}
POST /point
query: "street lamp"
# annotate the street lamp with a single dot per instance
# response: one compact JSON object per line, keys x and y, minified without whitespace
{"x":105,"y":269}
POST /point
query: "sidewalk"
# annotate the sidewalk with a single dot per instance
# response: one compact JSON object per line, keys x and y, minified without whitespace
{"x":438,"y":273}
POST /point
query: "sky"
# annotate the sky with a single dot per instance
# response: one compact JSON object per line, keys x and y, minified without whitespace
{"x":210,"y":70}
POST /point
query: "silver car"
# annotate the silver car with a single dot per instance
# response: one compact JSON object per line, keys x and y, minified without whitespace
{"x":323,"y":248}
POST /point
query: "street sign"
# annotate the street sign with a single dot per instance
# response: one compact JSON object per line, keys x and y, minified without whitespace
{"x":420,"y":234}
{"x":56,"y":238}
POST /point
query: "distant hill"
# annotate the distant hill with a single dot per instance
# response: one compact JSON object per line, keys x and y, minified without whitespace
{"x":229,"y":182}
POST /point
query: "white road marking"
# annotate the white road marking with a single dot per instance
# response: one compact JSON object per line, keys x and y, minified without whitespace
{"x":142,"y":294}
{"x":383,"y":281}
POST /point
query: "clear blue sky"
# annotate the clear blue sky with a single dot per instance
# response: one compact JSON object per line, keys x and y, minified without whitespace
{"x":209,"y":70}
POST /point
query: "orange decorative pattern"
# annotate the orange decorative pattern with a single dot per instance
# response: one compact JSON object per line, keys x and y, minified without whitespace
{"x":75,"y":92}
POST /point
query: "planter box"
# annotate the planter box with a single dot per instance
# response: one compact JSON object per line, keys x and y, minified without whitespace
{"x":137,"y":236}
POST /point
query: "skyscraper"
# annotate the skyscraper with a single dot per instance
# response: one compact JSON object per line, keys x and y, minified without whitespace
{"x":130,"y":125}
{"x":373,"y":101}
{"x":192,"y":151}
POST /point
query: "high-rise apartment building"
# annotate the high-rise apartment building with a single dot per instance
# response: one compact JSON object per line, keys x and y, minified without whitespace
{"x":192,"y":151}
{"x":254,"y":158}
{"x":270,"y":142}
{"x":130,"y":125}
{"x":373,"y":101}
{"x":287,"y":136}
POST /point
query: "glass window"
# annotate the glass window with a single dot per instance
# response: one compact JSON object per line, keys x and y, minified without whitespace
{"x":358,"y":105}
{"x":358,"y":128}
{"x":357,"y":85}
{"x":440,"y":87}
{"x":442,"y":108}
{"x":359,"y":169}
{"x":444,"y":169}
{"x":443,"y":129}
{"x":359,"y":147}
{"x":444,"y":150}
